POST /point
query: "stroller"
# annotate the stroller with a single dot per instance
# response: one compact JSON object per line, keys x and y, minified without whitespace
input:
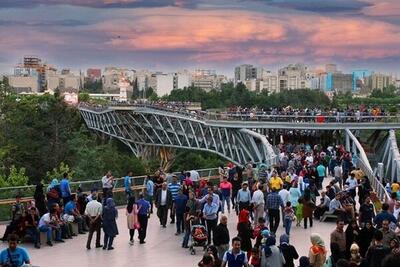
{"x":198,"y":233}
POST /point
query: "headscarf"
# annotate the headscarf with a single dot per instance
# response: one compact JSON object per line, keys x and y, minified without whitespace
{"x":53,"y":184}
{"x":265,"y":233}
{"x":284,"y":239}
{"x":110,"y":203}
{"x":271,"y":241}
{"x":318,"y":244}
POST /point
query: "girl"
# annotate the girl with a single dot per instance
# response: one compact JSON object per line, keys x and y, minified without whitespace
{"x":132,"y":218}
{"x":299,"y":211}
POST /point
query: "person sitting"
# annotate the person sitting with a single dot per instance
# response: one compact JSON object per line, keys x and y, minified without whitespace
{"x":31,"y":226}
{"x":323,"y":206}
{"x":72,"y":214}
{"x":335,"y":207}
{"x":17,"y":210}
{"x":48,"y":223}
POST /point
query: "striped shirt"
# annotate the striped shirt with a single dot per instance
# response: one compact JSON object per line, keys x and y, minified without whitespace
{"x":174,"y":189}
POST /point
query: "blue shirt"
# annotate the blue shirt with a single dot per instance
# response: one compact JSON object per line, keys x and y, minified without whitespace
{"x":19,"y":256}
{"x":210,"y":211}
{"x":274,"y":201}
{"x":143,"y":206}
{"x":150,"y":188}
{"x":321,"y":170}
{"x":69,"y":207}
{"x":127,"y":183}
{"x":174,"y":189}
{"x":180,"y":203}
{"x":64,"y":187}
{"x":384,"y":215}
{"x":243,"y":196}
{"x":233,"y":260}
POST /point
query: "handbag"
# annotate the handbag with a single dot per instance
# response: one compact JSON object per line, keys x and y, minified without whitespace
{"x":137,"y":224}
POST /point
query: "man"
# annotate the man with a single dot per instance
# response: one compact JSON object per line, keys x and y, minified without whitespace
{"x":17,"y":210}
{"x":173,"y":187}
{"x":388,"y":234}
{"x":163,"y":203}
{"x":338,"y":174}
{"x":210,"y":214}
{"x":108,"y":185}
{"x":285,"y":196}
{"x":180,"y":205}
{"x":14,"y":255}
{"x":93,"y":212}
{"x":323,"y":206}
{"x":274,"y":202}
{"x":243,"y":197}
{"x":71,"y":214}
{"x":336,"y":207}
{"x":31,"y":222}
{"x":321,"y":171}
{"x":367,"y":212}
{"x":143,"y":217}
{"x":221,"y":237}
{"x":235,"y":257}
{"x":258,"y":203}
{"x":48,"y":223}
{"x":384,"y":215}
{"x":352,"y":182}
{"x":127,"y":184}
{"x":377,"y":251}
{"x":65,"y":189}
{"x":338,"y":236}
{"x":93,"y":194}
{"x":149,"y":184}
{"x":275,"y":182}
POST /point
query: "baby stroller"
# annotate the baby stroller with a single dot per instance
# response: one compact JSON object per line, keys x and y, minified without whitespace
{"x":198,"y":233}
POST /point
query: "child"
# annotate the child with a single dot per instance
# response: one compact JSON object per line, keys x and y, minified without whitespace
{"x":299,"y":211}
{"x":187,"y":224}
{"x":255,"y":258}
{"x":288,"y":217}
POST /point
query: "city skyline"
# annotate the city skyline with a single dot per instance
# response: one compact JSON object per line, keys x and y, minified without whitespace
{"x":185,"y":34}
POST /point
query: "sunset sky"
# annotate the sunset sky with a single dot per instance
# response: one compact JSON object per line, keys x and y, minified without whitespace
{"x":219,"y":34}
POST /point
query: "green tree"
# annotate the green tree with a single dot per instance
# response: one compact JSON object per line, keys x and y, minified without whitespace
{"x":58,"y":172}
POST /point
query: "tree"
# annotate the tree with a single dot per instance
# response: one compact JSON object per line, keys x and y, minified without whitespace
{"x":58,"y":172}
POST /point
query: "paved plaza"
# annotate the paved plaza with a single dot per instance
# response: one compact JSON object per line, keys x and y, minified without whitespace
{"x":162,"y":248}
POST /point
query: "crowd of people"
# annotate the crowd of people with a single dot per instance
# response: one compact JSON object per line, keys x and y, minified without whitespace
{"x":308,"y":183}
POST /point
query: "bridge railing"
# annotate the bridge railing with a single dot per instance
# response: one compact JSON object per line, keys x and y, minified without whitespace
{"x":324,"y":117}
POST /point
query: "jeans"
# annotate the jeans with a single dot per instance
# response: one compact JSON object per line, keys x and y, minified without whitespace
{"x":274,"y":218}
{"x":48,"y":231}
{"x":143,"y":220}
{"x":186,"y":238}
{"x":179,"y":222}
{"x":221,"y":250}
{"x":288,"y":225}
{"x":34,"y":233}
{"x":228,"y":203}
{"x":150,"y":200}
{"x":108,"y":241}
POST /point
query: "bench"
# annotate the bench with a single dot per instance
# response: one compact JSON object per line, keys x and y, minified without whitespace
{"x":328,"y":215}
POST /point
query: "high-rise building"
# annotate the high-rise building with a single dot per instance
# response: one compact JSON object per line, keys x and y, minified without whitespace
{"x":293,"y":77}
{"x":65,"y":80}
{"x":207,"y":79}
{"x":331,"y":68}
{"x":244,"y":72}
{"x":359,"y":79}
{"x":93,"y":74}
{"x":338,"y":82}
{"x":379,"y":81}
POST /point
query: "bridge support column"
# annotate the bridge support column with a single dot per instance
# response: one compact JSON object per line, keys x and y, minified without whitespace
{"x":347,"y":142}
{"x":380,"y":172}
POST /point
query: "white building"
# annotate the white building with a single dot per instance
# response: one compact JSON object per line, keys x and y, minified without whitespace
{"x":112,"y":75}
{"x":28,"y":84}
{"x":165,"y":83}
{"x":63,"y":81}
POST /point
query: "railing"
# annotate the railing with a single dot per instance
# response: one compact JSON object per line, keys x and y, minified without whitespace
{"x":301,"y":117}
{"x":7,"y":194}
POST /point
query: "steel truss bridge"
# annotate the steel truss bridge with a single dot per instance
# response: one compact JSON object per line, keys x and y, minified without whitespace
{"x":240,"y":138}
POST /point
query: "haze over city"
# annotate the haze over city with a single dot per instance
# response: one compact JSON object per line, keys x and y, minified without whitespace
{"x":173,"y":35}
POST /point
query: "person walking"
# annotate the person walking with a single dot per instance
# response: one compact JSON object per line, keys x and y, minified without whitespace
{"x":180,"y":205}
{"x":317,"y":253}
{"x":110,"y":227}
{"x":65,"y":189}
{"x":143,"y":217}
{"x":258,"y":203}
{"x":245,"y":232}
{"x":221,"y":237}
{"x":226,"y":192}
{"x":273,"y":204}
{"x":271,"y":254}
{"x":132,"y":218}
{"x":210,"y":214}
{"x":93,"y":212}
{"x":149,"y":184}
{"x":235,"y":257}
{"x":14,"y":255}
{"x":163,"y":203}
{"x":289,"y":252}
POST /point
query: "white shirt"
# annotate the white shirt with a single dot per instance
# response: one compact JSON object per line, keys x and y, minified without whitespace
{"x":352,"y":183}
{"x":107,"y":183}
{"x":93,"y":208}
{"x":163,"y":197}
{"x":284,"y":194}
{"x":258,"y":197}
{"x":396,"y":212}
{"x":45,"y":218}
{"x":194,"y":176}
{"x":310,"y":159}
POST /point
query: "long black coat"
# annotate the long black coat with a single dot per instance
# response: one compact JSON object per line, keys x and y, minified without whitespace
{"x":245,"y":232}
{"x":109,"y":221}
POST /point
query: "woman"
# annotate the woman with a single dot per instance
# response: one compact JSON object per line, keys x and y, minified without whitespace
{"x":294,"y":195}
{"x":206,"y":261}
{"x":308,"y":209}
{"x":352,"y":234}
{"x":226,"y":193}
{"x":213,"y":252}
{"x":334,"y":257}
{"x":289,"y":252}
{"x":132,"y":218}
{"x":365,"y":237}
{"x":110,"y":228}
{"x":236,"y":186}
{"x":317,"y":253}
{"x":355,"y":257}
{"x":245,"y":232}
{"x":40,"y":199}
{"x":270,"y":254}
{"x":395,"y":246}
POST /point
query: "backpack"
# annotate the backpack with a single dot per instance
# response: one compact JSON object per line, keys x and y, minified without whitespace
{"x":53,"y":193}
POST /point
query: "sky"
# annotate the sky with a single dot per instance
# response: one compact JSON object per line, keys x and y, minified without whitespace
{"x":172,"y":35}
